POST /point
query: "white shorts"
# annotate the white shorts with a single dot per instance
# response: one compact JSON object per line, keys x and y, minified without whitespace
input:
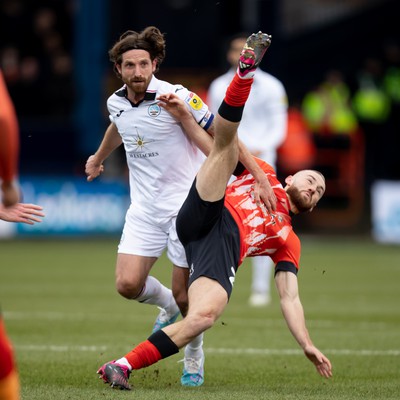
{"x":146,"y":236}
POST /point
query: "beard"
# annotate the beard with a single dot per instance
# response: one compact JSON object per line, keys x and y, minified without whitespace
{"x":138,"y":87}
{"x":303,"y":204}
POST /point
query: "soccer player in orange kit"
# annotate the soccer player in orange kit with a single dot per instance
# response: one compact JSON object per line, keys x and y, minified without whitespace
{"x":11,"y":211}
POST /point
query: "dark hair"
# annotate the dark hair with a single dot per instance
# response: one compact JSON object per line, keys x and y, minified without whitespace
{"x":149,"y":39}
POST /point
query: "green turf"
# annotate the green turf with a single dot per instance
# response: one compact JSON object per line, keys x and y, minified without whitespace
{"x":65,"y":319}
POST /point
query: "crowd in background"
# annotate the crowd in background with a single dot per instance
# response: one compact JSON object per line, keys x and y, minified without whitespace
{"x":37,"y":62}
{"x":366,"y":103}
{"x":35,"y":57}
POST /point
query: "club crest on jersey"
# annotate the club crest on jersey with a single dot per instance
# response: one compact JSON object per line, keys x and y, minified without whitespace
{"x":154,"y":110}
{"x":194,"y":101}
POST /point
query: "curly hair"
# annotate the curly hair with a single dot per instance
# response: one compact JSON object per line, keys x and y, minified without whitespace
{"x":150,"y":39}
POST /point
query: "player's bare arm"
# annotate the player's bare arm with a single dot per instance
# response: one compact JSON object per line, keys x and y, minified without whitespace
{"x":94,"y":165}
{"x":263,"y":192}
{"x":292,"y":309}
{"x":10,"y":193}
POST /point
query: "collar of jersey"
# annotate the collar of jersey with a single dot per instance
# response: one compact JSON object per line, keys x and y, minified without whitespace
{"x":150,"y":94}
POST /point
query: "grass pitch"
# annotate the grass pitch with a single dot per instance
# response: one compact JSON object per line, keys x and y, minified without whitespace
{"x":65,"y":319}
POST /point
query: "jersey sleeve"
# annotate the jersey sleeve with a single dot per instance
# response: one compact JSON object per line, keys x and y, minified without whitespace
{"x":196,"y":106}
{"x":286,"y":266}
{"x":112,"y":109}
{"x":267,"y":168}
{"x":288,"y":256}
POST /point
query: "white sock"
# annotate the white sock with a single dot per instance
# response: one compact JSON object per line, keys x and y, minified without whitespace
{"x":248,"y":75}
{"x":154,"y":292}
{"x":124,"y":361}
{"x":194,"y":349}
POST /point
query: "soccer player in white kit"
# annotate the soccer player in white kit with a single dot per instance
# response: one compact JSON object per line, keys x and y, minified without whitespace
{"x":262,"y":129}
{"x":163,"y":161}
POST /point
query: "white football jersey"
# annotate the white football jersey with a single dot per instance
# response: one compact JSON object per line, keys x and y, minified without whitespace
{"x":162,"y":160}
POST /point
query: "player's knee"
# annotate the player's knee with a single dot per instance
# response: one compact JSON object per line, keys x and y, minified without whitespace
{"x":128,"y":289}
{"x":201,"y":321}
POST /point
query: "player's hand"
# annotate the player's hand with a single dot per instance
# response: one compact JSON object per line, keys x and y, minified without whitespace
{"x":322,"y":364}
{"x":264,"y":194}
{"x":174,"y":105}
{"x":21,"y":212}
{"x":93,"y":168}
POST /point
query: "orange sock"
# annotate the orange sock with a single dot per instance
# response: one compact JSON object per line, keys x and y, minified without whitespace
{"x":159,"y":345}
{"x":238,"y":91}
{"x":143,"y":355}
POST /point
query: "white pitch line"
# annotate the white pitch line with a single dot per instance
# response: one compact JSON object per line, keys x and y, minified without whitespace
{"x":265,"y":352}
{"x":58,"y":348}
{"x":212,"y":350}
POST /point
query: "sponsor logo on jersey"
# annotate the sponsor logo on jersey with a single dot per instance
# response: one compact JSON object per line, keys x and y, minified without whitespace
{"x":143,"y":155}
{"x":140,"y":150}
{"x":119,"y":113}
{"x":154,"y":110}
{"x":140,"y":142}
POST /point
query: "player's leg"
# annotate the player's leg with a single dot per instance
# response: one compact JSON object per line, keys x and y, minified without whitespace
{"x":180,"y":278}
{"x":219,"y":165}
{"x":216,"y":170}
{"x":209,"y":299}
{"x":193,"y":361}
{"x":141,"y":244}
{"x":134,"y":283}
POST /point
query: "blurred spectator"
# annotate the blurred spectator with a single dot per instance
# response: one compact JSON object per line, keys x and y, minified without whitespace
{"x":9,"y":64}
{"x":35,"y":55}
{"x":370,"y":101}
{"x":25,"y":90}
{"x":327,"y":109}
{"x":298,"y":150}
{"x":60,"y":85}
{"x":14,"y":21}
{"x":391,"y":81}
{"x":391,"y":78}
{"x":339,"y":147}
{"x":372,"y":106}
